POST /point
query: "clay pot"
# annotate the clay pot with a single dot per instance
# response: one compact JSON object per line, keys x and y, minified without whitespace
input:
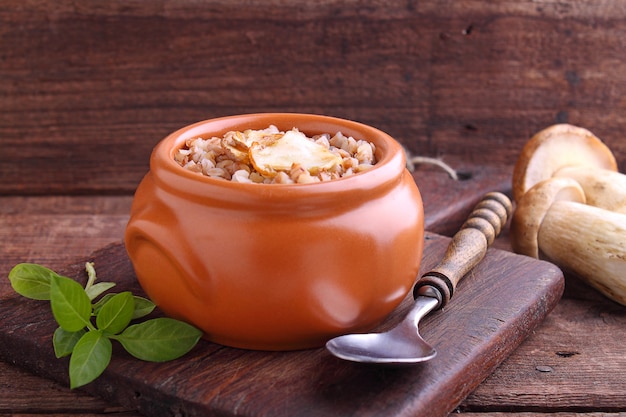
{"x":270,"y":266}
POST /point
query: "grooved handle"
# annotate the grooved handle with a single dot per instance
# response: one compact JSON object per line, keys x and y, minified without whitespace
{"x":468,"y":246}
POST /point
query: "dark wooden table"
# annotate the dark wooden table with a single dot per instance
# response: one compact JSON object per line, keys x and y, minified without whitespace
{"x":573,"y":363}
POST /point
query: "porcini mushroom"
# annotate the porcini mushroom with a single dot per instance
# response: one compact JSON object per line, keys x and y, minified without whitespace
{"x":569,"y":151}
{"x":571,"y":207}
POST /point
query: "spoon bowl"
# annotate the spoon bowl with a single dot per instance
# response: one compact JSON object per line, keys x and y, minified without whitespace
{"x":401,"y":345}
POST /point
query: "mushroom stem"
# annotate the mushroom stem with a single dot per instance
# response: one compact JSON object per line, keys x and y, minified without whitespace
{"x":603,"y":188}
{"x":589,"y":242}
{"x":533,"y":207}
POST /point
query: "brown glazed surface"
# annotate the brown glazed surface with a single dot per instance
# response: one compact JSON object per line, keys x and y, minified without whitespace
{"x":277,"y":267}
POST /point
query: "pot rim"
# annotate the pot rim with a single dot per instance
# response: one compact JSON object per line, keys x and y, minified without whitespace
{"x":389,"y":166}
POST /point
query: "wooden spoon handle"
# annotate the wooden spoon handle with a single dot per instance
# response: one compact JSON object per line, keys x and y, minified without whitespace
{"x":468,"y":246}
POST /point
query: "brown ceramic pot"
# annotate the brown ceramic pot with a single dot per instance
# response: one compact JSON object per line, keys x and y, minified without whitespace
{"x":277,"y":267}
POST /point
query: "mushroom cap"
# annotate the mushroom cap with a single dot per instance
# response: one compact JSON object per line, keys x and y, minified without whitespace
{"x":556,"y":147}
{"x":532,"y":208}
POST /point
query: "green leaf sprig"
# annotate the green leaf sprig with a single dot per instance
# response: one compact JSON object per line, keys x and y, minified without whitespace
{"x":87,"y":327}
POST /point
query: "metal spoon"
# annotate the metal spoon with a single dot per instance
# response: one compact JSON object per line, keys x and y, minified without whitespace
{"x":403,"y":345}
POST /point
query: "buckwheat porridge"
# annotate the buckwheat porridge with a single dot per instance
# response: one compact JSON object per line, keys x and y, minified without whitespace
{"x":270,"y":156}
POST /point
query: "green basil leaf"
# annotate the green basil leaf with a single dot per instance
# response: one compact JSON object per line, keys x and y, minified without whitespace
{"x":70,"y":305}
{"x":97,"y":289}
{"x":116,"y":313}
{"x":64,"y":341}
{"x":90,"y":358}
{"x":159,"y":340}
{"x":102,"y":301}
{"x":32,"y":280}
{"x":143,"y":307}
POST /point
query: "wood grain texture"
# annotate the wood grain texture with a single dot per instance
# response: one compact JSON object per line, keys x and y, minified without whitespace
{"x":87,"y":89}
{"x":571,"y":364}
{"x":31,"y":394}
{"x":483,"y":325}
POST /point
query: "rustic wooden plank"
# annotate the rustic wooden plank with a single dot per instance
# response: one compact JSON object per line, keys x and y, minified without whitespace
{"x":53,"y":231}
{"x":56,"y":239}
{"x":571,"y":364}
{"x":31,"y":394}
{"x":311,"y":381}
{"x":94,"y":205}
{"x":89,"y":89}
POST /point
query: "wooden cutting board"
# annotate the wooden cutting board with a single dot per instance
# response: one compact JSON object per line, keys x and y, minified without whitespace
{"x":494,"y":309}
